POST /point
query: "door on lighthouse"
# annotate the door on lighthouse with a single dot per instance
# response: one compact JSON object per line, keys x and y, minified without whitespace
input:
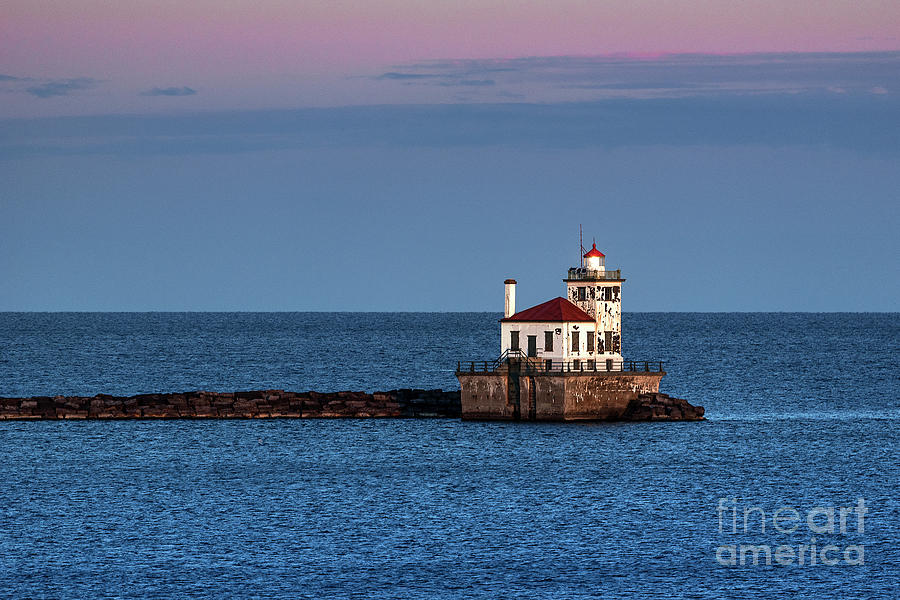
{"x":532,"y":346}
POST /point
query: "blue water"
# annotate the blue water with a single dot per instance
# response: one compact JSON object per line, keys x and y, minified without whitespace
{"x":803,"y":411}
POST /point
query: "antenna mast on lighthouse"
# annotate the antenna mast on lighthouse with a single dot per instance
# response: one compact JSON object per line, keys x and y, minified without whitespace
{"x":580,"y":244}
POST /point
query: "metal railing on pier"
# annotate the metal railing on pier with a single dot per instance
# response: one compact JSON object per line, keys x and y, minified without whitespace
{"x":516,"y":360}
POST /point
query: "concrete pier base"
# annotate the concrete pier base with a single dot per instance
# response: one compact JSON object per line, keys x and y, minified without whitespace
{"x":554,"y":396}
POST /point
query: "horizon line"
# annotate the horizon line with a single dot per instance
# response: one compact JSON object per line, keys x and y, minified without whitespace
{"x":394,"y":312}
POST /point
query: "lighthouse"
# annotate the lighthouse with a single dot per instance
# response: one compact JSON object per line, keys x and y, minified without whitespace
{"x":598,"y":292}
{"x":561,"y":359}
{"x":584,"y":327}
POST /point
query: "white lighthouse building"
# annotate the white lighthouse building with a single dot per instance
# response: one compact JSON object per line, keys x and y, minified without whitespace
{"x":581,"y":331}
{"x":562,"y":359}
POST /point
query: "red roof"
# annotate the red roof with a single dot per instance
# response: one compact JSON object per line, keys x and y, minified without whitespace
{"x":594,"y":252}
{"x":556,"y":310}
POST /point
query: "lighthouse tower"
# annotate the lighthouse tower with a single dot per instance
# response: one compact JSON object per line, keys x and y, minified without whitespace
{"x":598,"y":292}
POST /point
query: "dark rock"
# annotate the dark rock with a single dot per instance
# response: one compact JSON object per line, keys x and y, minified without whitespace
{"x":659,"y":406}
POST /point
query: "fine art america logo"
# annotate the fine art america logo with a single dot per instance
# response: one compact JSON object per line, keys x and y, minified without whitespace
{"x":819,"y":526}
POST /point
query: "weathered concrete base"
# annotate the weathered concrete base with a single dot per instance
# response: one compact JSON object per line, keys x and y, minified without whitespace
{"x":555,"y":396}
{"x":238,"y":405}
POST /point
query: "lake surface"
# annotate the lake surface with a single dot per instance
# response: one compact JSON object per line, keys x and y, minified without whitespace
{"x":803,"y":415}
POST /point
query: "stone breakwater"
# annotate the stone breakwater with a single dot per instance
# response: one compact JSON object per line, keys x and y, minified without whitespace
{"x":404,"y":403}
{"x":238,"y":405}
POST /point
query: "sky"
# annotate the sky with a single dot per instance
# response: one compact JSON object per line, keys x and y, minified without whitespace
{"x":399,"y":155}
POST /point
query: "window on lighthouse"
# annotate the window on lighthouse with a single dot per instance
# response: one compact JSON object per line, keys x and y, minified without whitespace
{"x":582,"y":293}
{"x":513,"y":340}
{"x":575,"y":341}
{"x":548,"y":341}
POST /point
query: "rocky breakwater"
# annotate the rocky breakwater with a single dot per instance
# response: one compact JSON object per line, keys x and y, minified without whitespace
{"x":267,"y":404}
{"x":407,"y":403}
{"x":661,"y":407}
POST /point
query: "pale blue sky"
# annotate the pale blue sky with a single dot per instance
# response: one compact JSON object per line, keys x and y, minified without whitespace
{"x":772,"y":186}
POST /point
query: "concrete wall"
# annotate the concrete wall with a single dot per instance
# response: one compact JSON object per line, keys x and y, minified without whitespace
{"x":485,"y":396}
{"x":557,"y":396}
{"x":550,"y":393}
{"x":605,"y":397}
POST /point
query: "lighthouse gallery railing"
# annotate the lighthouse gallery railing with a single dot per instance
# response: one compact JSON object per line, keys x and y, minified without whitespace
{"x":583,"y":273}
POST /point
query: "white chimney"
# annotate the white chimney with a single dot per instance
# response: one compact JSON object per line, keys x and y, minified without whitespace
{"x":509,"y":308}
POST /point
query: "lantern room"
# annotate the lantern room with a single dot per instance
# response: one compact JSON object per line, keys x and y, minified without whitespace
{"x":595,"y":260}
